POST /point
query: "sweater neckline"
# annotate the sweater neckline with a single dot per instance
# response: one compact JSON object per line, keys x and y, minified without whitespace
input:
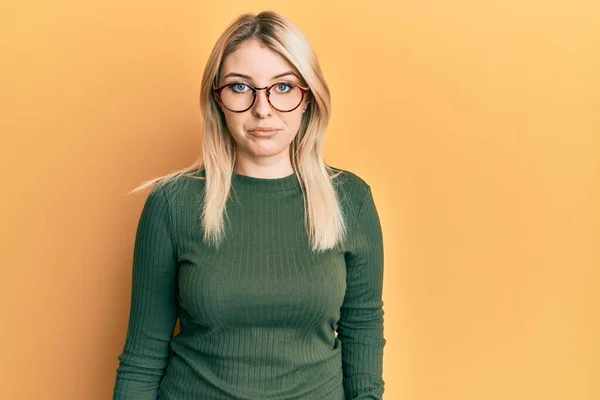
{"x":252,"y":183}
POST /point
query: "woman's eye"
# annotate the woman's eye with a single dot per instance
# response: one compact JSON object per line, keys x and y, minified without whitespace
{"x":239,"y":87}
{"x":284,"y":87}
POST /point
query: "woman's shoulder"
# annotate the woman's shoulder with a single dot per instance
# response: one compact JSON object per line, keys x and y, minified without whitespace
{"x":186,"y":185}
{"x":350,"y":186}
{"x":347,"y":180}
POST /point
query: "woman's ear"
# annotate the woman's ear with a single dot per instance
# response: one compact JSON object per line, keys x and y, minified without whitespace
{"x":307,"y":99}
{"x":216,"y":99}
{"x":305,"y":106}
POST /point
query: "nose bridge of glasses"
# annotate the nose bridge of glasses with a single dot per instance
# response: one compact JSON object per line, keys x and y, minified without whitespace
{"x":267,"y":90}
{"x":256,"y":92}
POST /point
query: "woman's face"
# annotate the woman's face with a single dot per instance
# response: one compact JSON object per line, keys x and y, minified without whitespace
{"x":261,"y":131}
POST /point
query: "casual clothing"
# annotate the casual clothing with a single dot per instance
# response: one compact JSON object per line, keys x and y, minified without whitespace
{"x":259,"y":315}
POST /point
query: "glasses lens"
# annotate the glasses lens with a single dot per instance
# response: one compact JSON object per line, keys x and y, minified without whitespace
{"x":237,"y":97}
{"x":285,"y":96}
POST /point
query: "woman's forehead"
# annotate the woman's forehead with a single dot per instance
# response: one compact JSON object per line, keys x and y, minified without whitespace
{"x":256,"y":60}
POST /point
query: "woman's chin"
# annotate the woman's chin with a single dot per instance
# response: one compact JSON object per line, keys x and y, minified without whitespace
{"x":267,"y":150}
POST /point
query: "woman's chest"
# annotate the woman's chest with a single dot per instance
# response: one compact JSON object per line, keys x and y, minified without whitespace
{"x":263,"y":273}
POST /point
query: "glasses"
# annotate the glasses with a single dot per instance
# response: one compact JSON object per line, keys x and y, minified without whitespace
{"x":239,"y":97}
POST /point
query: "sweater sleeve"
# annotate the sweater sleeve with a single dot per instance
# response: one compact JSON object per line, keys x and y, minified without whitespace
{"x":153,"y":310}
{"x":360,"y":328}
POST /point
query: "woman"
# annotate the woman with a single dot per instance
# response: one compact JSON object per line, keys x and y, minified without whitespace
{"x":262,"y":251}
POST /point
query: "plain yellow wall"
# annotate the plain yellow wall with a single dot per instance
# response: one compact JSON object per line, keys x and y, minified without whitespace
{"x":475,"y":122}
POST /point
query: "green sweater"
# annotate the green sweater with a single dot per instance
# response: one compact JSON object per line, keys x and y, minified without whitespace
{"x":263,"y":317}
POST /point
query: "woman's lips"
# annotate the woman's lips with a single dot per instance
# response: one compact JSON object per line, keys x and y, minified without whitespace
{"x":263,"y":132}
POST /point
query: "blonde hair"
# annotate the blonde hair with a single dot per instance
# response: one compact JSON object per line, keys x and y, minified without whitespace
{"x":324,"y":218}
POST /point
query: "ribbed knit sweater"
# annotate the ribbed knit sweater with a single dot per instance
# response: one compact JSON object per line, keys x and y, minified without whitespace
{"x":262,"y":317}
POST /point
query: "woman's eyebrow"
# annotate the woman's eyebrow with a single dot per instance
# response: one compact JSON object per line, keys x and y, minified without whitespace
{"x":237,"y":74}
{"x":285,"y":74}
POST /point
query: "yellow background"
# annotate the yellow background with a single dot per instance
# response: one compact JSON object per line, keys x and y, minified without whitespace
{"x":475,"y":122}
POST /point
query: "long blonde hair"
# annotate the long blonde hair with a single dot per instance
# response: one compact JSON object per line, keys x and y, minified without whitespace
{"x":324,"y":218}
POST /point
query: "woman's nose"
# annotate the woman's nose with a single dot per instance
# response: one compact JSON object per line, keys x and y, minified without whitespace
{"x":262,"y":107}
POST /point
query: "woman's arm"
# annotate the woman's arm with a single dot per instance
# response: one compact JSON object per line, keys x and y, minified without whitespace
{"x":153,"y":310}
{"x":360,"y":328}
